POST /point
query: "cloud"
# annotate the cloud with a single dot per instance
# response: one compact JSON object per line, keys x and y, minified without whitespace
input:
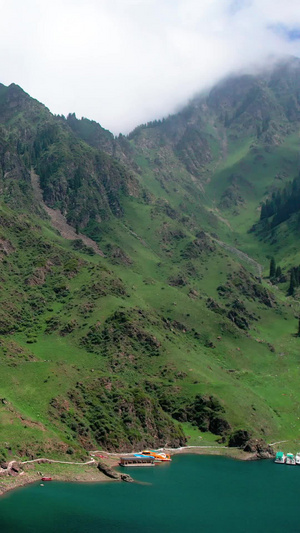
{"x":124,"y":62}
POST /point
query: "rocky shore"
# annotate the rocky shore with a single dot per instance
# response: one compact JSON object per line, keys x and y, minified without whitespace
{"x":16,"y":474}
{"x":253,"y":452}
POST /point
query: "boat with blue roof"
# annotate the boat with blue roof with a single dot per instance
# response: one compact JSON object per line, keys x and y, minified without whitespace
{"x":290,"y":459}
{"x":280,"y":458}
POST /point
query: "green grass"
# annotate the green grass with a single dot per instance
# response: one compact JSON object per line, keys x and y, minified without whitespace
{"x":63,"y":340}
{"x":59,"y":362}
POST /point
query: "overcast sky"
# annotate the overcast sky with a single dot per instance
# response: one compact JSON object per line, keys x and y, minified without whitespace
{"x":124,"y":62}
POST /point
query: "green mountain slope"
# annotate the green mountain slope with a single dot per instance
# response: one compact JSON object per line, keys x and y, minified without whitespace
{"x":173,"y":334}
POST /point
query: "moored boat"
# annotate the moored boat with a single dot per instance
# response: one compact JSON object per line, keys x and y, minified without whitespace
{"x":290,"y":459}
{"x":143,"y":455}
{"x":280,"y":458}
{"x":137,"y":460}
{"x":158,"y":456}
{"x":297,"y":458}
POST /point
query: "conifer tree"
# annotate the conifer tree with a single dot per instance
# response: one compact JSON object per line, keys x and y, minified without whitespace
{"x":278,"y":272}
{"x":272,"y":268}
{"x":297,"y":276}
{"x":292,"y":283}
{"x":298,"y":334}
{"x":258,"y":130}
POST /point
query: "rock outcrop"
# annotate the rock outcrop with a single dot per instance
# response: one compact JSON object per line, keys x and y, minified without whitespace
{"x":261,"y":449}
{"x":107,"y":470}
{"x":112,"y":474}
{"x":127,"y":478}
{"x":10,"y":469}
{"x":258,"y":447}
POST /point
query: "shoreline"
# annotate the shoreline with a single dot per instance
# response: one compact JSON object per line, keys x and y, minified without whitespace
{"x":225,"y":451}
{"x":64,"y":472}
{"x":232,"y":453}
{"x":88,"y":472}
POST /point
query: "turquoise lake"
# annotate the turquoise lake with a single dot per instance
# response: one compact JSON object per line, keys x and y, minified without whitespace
{"x":192,"y":494}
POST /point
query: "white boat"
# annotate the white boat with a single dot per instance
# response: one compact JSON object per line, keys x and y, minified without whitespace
{"x":290,"y":459}
{"x":298,"y":458}
{"x":280,"y":458}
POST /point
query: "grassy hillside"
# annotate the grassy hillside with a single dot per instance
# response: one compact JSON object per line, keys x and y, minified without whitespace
{"x":173,"y":335}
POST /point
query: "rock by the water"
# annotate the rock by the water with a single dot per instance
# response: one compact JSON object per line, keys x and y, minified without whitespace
{"x":243,"y":439}
{"x":127,"y":478}
{"x":107,"y":470}
{"x":260,"y":448}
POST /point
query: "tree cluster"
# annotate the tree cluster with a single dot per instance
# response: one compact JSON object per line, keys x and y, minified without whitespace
{"x":294,"y":280}
{"x":275,"y":271}
{"x":282,"y":204}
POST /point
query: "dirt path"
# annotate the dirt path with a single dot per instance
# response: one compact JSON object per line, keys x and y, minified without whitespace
{"x":235,"y":453}
{"x":279,"y":442}
{"x":163,"y":450}
{"x":58,"y":220}
{"x":241,"y":255}
{"x":44,"y":460}
{"x":215,"y":212}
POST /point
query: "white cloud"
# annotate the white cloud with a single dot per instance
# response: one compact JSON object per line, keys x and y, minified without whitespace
{"x":123,"y":62}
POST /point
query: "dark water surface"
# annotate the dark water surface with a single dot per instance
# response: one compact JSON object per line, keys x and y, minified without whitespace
{"x":192,"y":494}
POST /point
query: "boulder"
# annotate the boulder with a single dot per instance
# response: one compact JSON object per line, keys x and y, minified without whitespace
{"x":127,"y":478}
{"x":260,"y":448}
{"x":15,"y":467}
{"x":107,"y":470}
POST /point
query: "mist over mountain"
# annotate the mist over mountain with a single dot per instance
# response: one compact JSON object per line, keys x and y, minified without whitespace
{"x":127,"y":62}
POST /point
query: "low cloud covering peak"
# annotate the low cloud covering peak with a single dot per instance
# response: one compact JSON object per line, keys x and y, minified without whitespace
{"x":124,"y":62}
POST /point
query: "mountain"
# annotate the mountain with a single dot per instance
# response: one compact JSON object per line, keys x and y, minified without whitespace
{"x":137,"y":307}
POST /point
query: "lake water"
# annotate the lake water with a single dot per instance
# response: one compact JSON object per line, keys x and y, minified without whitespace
{"x":192,"y":494}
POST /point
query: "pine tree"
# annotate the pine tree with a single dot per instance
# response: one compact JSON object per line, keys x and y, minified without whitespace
{"x":272,"y":268}
{"x":226,"y":120}
{"x":297,"y":276}
{"x":263,"y":213}
{"x":278,"y":272}
{"x":292,"y":283}
{"x":258,"y":130}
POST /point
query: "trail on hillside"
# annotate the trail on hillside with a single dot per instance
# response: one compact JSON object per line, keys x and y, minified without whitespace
{"x":162,"y":450}
{"x":241,"y":255}
{"x":215,"y":212}
{"x":11,"y":465}
{"x":45,"y":460}
{"x":58,"y":220}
